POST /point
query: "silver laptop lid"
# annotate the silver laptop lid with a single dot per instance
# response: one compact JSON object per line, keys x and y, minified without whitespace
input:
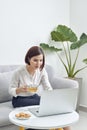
{"x":58,"y":101}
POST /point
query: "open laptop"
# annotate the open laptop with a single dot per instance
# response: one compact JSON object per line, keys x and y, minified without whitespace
{"x":56,"y":101}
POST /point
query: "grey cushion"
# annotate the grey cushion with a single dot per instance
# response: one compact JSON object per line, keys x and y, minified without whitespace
{"x":7,"y":68}
{"x":9,"y":127}
{"x":50,"y":72}
{"x":5,"y":79}
{"x":5,"y":109}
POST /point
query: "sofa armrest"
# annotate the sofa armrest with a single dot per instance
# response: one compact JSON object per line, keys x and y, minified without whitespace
{"x":63,"y":83}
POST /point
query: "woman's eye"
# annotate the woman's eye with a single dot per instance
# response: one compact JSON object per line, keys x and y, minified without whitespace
{"x":38,"y":60}
{"x":35,"y":60}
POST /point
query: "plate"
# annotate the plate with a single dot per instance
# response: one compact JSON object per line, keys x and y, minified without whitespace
{"x":22,"y":118}
{"x":22,"y":115}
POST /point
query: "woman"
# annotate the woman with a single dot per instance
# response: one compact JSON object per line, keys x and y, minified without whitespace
{"x":27,"y":80}
{"x":33,"y":74}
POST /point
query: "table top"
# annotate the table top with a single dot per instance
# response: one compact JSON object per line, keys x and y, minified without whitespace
{"x":46,"y":122}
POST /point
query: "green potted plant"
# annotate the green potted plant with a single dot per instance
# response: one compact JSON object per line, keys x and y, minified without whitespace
{"x":67,"y":38}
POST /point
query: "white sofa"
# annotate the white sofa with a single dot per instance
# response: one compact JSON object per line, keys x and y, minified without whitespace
{"x":6,"y":73}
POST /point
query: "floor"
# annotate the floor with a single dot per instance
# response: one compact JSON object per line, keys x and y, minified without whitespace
{"x":82,"y":123}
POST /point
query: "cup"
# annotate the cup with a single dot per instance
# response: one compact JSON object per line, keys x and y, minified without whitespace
{"x":32,"y":89}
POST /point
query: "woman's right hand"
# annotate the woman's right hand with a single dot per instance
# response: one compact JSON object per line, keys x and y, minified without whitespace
{"x":21,"y":89}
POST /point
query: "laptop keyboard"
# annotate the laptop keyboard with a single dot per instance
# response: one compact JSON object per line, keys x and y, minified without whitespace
{"x":34,"y":109}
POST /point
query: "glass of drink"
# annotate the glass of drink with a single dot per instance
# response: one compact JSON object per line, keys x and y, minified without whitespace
{"x":32,"y":89}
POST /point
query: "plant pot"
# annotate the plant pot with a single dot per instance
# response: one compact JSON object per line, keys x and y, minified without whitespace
{"x":79,"y":80}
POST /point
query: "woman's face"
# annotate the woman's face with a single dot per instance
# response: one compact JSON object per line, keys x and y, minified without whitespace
{"x":36,"y":61}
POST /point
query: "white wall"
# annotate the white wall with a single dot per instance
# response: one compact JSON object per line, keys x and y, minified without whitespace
{"x":78,"y":22}
{"x":28,"y":22}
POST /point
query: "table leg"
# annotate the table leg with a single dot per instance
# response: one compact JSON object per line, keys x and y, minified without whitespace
{"x":21,"y":128}
{"x":57,"y":129}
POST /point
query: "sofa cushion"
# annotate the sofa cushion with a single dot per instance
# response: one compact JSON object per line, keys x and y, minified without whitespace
{"x":7,"y":68}
{"x":5,"y":79}
{"x":5,"y":109}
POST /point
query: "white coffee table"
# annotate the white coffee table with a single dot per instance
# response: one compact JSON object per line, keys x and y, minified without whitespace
{"x":47,"y":122}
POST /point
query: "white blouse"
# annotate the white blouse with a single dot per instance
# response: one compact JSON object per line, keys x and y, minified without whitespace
{"x":22,"y":77}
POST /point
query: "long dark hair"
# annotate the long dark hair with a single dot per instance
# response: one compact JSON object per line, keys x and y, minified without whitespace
{"x":34,"y":51}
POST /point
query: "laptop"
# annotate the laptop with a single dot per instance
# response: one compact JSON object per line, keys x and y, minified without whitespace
{"x":56,"y":101}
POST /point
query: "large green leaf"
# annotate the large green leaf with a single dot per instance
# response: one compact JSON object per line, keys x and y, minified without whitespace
{"x":85,"y":61}
{"x":79,"y":43}
{"x":63,"y":33}
{"x":50,"y":48}
{"x":56,"y":36}
{"x":83,"y":36}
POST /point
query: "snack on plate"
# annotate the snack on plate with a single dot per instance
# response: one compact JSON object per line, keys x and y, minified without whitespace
{"x":22,"y":115}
